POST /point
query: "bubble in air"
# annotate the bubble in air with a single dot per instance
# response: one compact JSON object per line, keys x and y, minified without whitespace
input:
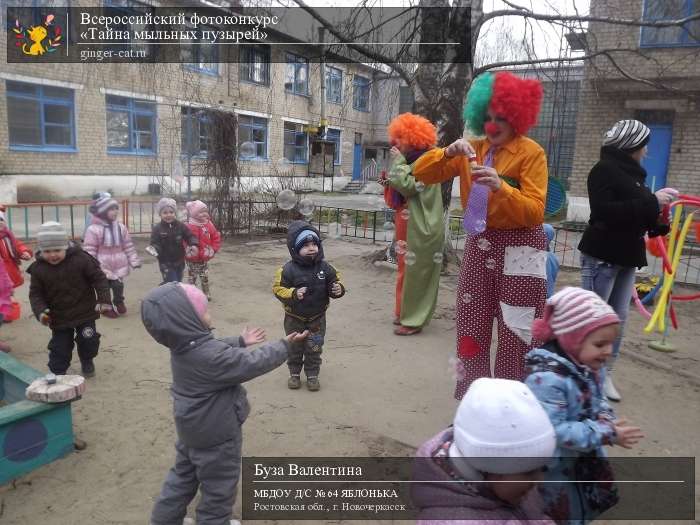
{"x":247,"y":149}
{"x":306,"y":207}
{"x":334,"y":231}
{"x":401,"y":247}
{"x":438,"y":257}
{"x":405,"y":214}
{"x":420,"y":186}
{"x":490,"y":263}
{"x":466,"y":298}
{"x":410,"y":258}
{"x":286,"y":200}
{"x":484,"y":244}
{"x":388,"y":226}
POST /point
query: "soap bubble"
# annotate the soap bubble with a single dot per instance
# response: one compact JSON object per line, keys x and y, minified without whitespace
{"x":401,"y":247}
{"x":420,"y":186}
{"x":466,"y":298}
{"x":306,"y":207}
{"x":286,"y":200}
{"x":438,"y":257}
{"x":410,"y":258}
{"x":177,"y":172}
{"x":484,"y":244}
{"x":479,"y":226}
{"x":388,"y":226}
{"x":405,"y":214}
{"x":334,"y":230}
{"x":247,"y":149}
{"x":490,"y":263}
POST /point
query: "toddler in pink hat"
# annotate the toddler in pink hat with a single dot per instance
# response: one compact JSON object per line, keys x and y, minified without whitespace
{"x":566,"y":375}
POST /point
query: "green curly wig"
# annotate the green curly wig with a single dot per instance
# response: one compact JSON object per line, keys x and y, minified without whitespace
{"x":477,"y":104}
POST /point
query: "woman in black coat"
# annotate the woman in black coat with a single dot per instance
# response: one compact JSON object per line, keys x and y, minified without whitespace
{"x":623,"y":210}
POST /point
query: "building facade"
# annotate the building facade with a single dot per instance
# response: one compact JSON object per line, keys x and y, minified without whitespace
{"x":67,"y":130}
{"x":668,"y":59}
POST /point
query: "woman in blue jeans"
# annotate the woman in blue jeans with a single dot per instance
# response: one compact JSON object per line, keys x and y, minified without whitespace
{"x":623,"y":210}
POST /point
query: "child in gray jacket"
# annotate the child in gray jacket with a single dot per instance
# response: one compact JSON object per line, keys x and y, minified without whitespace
{"x":210,"y":404}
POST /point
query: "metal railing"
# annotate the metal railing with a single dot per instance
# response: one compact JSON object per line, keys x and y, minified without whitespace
{"x":258,"y":218}
{"x":369,"y":172}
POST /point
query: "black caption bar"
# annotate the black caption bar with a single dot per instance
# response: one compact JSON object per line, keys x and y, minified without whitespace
{"x":199,"y":35}
{"x":290,"y":489}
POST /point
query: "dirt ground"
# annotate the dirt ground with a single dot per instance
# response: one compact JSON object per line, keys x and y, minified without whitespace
{"x":381,"y":395}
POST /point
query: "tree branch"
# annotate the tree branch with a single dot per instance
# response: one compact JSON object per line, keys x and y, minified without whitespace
{"x":377,"y":57}
{"x":526,"y":13}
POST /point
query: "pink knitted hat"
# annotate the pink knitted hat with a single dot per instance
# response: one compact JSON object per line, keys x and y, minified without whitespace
{"x":570,"y":315}
{"x":196,"y":298}
{"x":195,"y":208}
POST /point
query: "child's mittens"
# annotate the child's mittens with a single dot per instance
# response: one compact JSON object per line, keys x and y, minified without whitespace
{"x":45,"y":317}
{"x":192,"y":251}
{"x":25,"y":256}
{"x":104,"y":308}
{"x":152,"y":251}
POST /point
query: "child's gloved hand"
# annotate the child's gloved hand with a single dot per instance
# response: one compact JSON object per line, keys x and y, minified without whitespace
{"x":25,"y":256}
{"x":253,"y":336}
{"x":626,"y":436}
{"x":296,"y":337}
{"x":151,"y":251}
{"x":45,"y":317}
{"x":209,"y":252}
{"x":192,"y":251}
{"x":336,"y":289}
{"x":301,"y":292}
{"x":104,"y":308}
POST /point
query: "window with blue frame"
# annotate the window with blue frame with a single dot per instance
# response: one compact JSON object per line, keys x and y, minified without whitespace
{"x":360,"y":93}
{"x":131,"y":126}
{"x":254,"y":130}
{"x":194,"y":132}
{"x":334,"y":136}
{"x":334,"y":85}
{"x":40,"y":117}
{"x":296,"y":143}
{"x":296,"y":78}
{"x":127,"y":8}
{"x":255,"y":64}
{"x":657,"y":10}
{"x":200,"y":55}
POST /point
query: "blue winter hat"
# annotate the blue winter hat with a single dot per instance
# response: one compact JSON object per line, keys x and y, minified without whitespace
{"x":304,"y":237}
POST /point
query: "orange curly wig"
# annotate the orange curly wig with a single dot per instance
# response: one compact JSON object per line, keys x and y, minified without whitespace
{"x":517,"y":99}
{"x":412,"y":131}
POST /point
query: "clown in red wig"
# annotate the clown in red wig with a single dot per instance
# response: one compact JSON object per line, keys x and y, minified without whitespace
{"x":419,"y":224}
{"x":503,"y":273}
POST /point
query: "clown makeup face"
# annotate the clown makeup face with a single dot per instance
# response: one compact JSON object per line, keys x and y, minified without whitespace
{"x":498,"y":130}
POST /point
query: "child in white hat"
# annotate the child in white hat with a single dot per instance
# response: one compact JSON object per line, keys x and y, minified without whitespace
{"x":488,"y":461}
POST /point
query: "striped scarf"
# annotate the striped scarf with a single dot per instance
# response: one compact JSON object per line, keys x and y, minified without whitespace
{"x":112,"y":234}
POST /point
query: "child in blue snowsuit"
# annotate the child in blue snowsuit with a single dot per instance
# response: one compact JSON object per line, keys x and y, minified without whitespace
{"x":566,"y":376}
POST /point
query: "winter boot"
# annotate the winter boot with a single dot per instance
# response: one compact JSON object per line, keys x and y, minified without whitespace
{"x":294,"y":382}
{"x":88,"y":368}
{"x":121,"y":308}
{"x":609,"y":389}
{"x":312,"y":384}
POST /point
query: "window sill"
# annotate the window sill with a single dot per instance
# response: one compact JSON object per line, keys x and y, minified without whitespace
{"x":669,"y":45}
{"x":44,"y":149}
{"x":340,"y":103}
{"x":254,"y":159}
{"x":132,"y":153}
{"x":305,"y":95}
{"x":213,"y":74}
{"x":297,"y":162}
{"x":361,"y":110}
{"x":252,"y":83}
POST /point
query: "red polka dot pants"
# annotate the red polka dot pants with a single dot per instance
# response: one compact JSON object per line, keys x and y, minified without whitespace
{"x":503,"y":276}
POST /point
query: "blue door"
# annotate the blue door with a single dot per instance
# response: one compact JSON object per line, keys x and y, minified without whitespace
{"x":357,"y":158}
{"x":656,"y":161}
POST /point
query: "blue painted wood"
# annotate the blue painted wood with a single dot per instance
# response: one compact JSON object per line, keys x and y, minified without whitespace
{"x":357,"y":162}
{"x":31,"y":434}
{"x":658,"y":153}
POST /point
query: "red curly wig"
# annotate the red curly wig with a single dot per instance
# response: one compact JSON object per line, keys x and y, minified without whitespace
{"x":412,"y":131}
{"x":516,"y":99}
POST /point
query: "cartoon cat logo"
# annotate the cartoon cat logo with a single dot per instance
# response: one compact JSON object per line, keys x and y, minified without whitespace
{"x":37,"y":40}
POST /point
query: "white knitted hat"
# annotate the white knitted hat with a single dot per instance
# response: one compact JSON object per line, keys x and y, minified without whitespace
{"x":52,"y":236}
{"x":501,"y":428}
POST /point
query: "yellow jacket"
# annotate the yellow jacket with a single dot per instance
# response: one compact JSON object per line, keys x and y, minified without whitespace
{"x":521,"y":159}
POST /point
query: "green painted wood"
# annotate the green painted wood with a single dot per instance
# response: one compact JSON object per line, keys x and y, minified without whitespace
{"x":58,"y":443}
{"x":56,"y":420}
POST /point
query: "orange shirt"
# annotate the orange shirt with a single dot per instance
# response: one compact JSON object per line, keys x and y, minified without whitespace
{"x":521,"y":159}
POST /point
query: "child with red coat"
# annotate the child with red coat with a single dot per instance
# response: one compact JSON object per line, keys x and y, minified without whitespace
{"x":12,"y":253}
{"x":209,"y":239}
